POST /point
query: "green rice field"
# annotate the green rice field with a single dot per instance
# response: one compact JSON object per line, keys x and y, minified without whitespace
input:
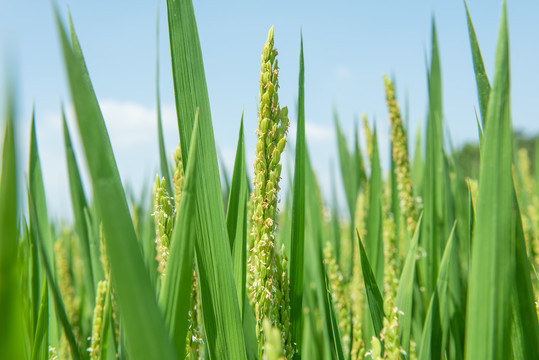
{"x":423,"y":261}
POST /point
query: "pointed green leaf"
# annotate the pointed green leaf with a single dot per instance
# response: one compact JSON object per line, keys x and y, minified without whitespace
{"x":347,"y":167}
{"x":405,"y":291}
{"x":40,"y":346}
{"x":488,"y":320}
{"x":298,"y":217}
{"x":374,"y":297}
{"x":236,"y":219}
{"x":53,"y":286}
{"x":434,"y":187}
{"x":481,"y":78}
{"x":431,"y":340}
{"x":525,"y":325}
{"x":334,"y":327}
{"x":11,"y":333}
{"x":222,"y":319}
{"x":373,"y":241}
{"x":37,"y":191}
{"x":146,"y":336}
{"x":160,"y":138}
{"x":79,"y":203}
{"x":175,"y":298}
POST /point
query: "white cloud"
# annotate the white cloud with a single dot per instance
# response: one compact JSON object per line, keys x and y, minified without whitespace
{"x":343,"y":72}
{"x":315,"y":134}
{"x":132,"y":129}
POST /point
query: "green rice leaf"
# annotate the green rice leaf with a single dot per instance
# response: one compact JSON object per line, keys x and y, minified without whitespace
{"x":446,"y":296}
{"x":226,"y":179}
{"x":40,"y":346}
{"x":431,"y":340}
{"x":374,"y":243}
{"x":165,"y":172}
{"x":405,"y":290}
{"x":347,"y":167}
{"x":297,"y":257}
{"x":335,"y":224}
{"x":236,"y":219}
{"x":53,"y":286}
{"x":418,"y":167}
{"x":11,"y":333}
{"x":441,"y":310}
{"x":146,"y":336}
{"x":222,"y":319}
{"x":488,"y":320}
{"x":525,"y":326}
{"x":175,"y":298}
{"x":249,"y":329}
{"x":358,"y":157}
{"x":35,"y":179}
{"x":334,"y":326}
{"x":434,"y":190}
{"x":536,"y":146}
{"x":314,"y":269}
{"x":79,"y":203}
{"x":92,"y":222}
{"x":374,"y":297}
{"x":481,"y":78}
{"x":41,"y":218}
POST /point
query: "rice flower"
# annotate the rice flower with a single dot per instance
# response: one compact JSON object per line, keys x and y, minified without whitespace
{"x":368,"y":135}
{"x":400,"y":156}
{"x":269,"y":288}
{"x":194,"y":337}
{"x":164,"y":218}
{"x":273,"y":347}
{"x":178,"y":176}
{"x":97,"y":324}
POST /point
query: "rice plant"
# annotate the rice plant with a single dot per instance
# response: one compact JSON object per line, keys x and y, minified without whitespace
{"x":425,"y":264}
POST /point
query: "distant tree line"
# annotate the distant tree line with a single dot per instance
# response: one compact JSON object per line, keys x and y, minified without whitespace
{"x":467,"y":156}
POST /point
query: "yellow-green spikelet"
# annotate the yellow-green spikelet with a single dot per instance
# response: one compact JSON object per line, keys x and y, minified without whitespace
{"x":164,"y":218}
{"x":97,"y":323}
{"x":269,"y":288}
{"x":178,"y":177}
{"x":400,"y":156}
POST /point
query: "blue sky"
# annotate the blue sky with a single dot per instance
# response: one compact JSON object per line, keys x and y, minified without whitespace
{"x":348,"y":46}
